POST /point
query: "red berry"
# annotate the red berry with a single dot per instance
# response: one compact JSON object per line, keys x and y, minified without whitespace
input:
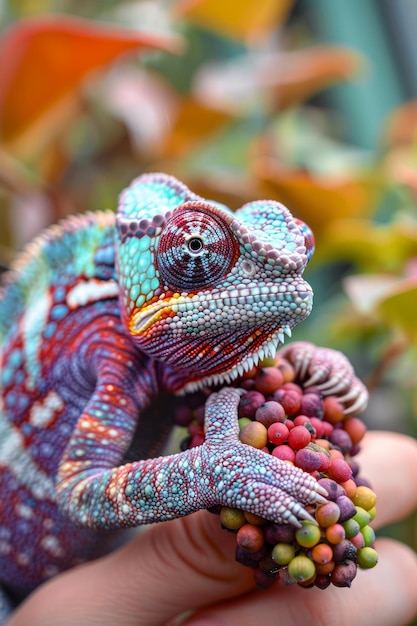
{"x":355,"y":428}
{"x":333,"y":410}
{"x":299,"y":437}
{"x":268,"y":380}
{"x":290,"y":400}
{"x":301,"y":420}
{"x":317,"y":424}
{"x":278,"y":433}
{"x":250,"y":538}
{"x":339,"y":470}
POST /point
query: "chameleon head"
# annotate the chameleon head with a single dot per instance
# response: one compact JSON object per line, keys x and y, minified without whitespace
{"x":207,"y":291}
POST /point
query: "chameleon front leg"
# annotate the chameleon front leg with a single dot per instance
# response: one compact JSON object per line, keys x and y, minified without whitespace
{"x":222,"y":471}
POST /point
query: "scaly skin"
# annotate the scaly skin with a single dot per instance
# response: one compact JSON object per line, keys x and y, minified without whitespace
{"x":102,"y":314}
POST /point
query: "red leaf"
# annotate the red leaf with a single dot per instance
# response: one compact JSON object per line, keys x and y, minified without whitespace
{"x":43,"y":60}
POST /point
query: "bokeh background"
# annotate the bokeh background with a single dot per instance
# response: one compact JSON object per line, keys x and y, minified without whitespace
{"x":312,"y":103}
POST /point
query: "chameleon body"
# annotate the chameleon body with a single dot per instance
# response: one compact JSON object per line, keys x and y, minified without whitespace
{"x":101,"y":314}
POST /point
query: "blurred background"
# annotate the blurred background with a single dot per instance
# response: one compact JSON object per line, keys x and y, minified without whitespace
{"x":310,"y":103}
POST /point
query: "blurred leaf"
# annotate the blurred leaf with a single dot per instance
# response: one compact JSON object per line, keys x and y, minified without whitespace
{"x":242,"y":19}
{"x":372,"y":247}
{"x":145,"y":103}
{"x":193,"y":123}
{"x":401,"y":126}
{"x":44,"y":60}
{"x":320,"y":200}
{"x":389,"y":299}
{"x":365,"y":291}
{"x":277,"y":79}
{"x":297,"y":75}
{"x":398,"y":308}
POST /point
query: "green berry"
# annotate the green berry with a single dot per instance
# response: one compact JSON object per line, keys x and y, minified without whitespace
{"x":243,"y":421}
{"x":368,"y":534}
{"x":283,"y":553}
{"x":362,"y":517}
{"x":367,"y":557}
{"x":231,"y":518}
{"x":308,"y":535}
{"x":351,"y":527}
{"x":301,"y":568}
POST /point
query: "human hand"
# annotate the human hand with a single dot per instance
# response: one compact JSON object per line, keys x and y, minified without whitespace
{"x":188,"y":564}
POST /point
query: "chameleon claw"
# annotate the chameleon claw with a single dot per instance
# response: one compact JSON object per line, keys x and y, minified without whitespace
{"x":315,"y":379}
{"x":334,"y":386}
{"x":359,"y":405}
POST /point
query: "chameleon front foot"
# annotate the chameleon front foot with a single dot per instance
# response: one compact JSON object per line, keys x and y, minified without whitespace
{"x":246,"y":478}
{"x":329,"y":371}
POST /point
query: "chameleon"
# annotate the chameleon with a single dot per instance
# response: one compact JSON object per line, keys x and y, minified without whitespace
{"x":107,"y":311}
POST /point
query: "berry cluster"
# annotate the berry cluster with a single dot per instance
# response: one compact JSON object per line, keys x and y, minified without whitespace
{"x":300,"y":426}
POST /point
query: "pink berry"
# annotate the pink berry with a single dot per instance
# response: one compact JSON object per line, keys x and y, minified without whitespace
{"x":307,"y":460}
{"x":269,"y":413}
{"x":325,"y":462}
{"x":311,"y":404}
{"x":249,"y":403}
{"x":284,"y":453}
{"x":356,"y":429}
{"x":327,"y":514}
{"x":317,"y":424}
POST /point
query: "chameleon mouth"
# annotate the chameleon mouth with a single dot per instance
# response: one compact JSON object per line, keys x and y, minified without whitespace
{"x":267,"y":349}
{"x":145,"y":319}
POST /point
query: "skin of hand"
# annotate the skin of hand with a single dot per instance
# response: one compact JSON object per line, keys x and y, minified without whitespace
{"x":188,"y":564}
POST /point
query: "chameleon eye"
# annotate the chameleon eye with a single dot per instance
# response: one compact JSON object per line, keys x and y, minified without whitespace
{"x":195,"y":245}
{"x":196,"y":248}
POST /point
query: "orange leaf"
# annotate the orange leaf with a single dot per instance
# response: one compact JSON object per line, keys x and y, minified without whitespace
{"x":318,"y":199}
{"x":44,"y":60}
{"x":239,"y":19}
{"x":193,"y":124}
